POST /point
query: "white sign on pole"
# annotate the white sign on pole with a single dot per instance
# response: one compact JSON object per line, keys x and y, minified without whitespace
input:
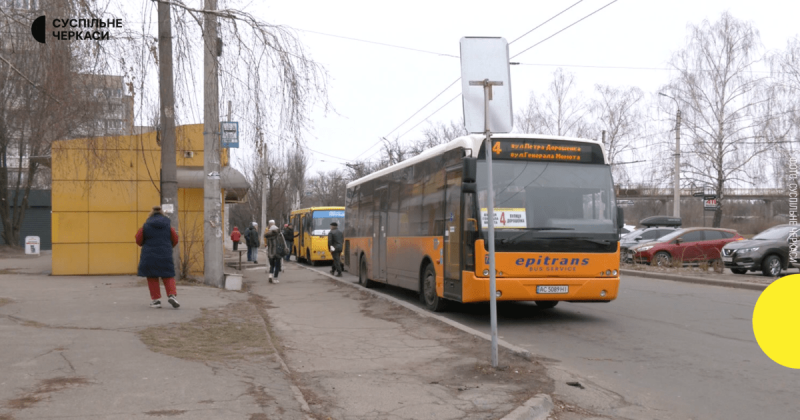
{"x":486,"y":58}
{"x":230,"y":134}
{"x":32,"y":245}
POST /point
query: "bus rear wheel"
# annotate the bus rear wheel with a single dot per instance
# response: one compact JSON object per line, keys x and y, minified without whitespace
{"x":428,"y":291}
{"x":362,"y":275}
{"x":546,"y":304}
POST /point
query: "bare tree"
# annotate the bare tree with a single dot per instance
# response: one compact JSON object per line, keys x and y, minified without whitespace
{"x":328,"y":188}
{"x":46,"y":94}
{"x":560,"y":111}
{"x":722,"y":103}
{"x":618,"y":113}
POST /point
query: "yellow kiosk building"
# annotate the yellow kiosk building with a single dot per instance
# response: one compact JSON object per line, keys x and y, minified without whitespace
{"x":103,"y":188}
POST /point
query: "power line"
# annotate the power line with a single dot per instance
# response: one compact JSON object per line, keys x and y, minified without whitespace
{"x":377,"y":43}
{"x":412,"y":116}
{"x":456,"y":81}
{"x":543,"y":23}
{"x":564,"y":29}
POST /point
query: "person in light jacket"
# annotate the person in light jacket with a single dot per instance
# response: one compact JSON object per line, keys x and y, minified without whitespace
{"x":157,"y":238}
{"x":272,"y":237}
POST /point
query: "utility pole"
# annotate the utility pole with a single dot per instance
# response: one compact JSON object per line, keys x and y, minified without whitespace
{"x":212,"y":200}
{"x":264,"y":189}
{"x":676,"y":200}
{"x":169,"y":170}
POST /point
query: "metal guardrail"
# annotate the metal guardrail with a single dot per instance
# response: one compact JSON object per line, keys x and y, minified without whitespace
{"x":626,"y":192}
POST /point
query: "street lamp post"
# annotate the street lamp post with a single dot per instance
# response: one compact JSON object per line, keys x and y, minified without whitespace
{"x":676,"y":209}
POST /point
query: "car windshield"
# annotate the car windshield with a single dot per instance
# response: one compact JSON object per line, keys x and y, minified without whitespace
{"x":776,"y":233}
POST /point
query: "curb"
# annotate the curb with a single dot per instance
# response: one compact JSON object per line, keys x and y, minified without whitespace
{"x":696,"y":280}
{"x":536,"y":408}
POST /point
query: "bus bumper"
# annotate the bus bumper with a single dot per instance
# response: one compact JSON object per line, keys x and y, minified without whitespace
{"x":599,"y":289}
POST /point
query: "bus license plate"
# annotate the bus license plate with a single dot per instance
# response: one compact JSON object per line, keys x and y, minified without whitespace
{"x":552,"y":289}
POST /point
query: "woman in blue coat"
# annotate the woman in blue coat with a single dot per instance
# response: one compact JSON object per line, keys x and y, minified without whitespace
{"x":157,"y":238}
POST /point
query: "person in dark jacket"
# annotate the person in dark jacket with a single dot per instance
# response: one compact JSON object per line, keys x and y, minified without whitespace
{"x":288,"y":236}
{"x":335,"y":244}
{"x":157,"y":238}
{"x":251,"y":240}
{"x":272,"y":237}
{"x":235,"y":237}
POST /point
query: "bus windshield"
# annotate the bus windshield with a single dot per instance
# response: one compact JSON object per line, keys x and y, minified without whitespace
{"x":549,"y":200}
{"x":322,"y":219}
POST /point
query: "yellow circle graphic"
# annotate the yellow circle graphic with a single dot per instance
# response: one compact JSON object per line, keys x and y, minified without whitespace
{"x":776,"y":321}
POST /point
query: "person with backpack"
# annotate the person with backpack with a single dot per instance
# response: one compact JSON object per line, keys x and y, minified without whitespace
{"x":157,"y":238}
{"x":235,"y":236}
{"x":276,"y":247}
{"x":251,"y":240}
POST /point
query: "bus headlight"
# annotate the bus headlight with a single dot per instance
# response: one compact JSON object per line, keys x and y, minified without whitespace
{"x":602,"y":293}
{"x":613,"y":272}
{"x":608,"y":272}
{"x":485,"y":272}
{"x":498,"y":293}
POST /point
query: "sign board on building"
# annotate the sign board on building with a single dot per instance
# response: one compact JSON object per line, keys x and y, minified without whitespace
{"x":486,"y":58}
{"x":230,"y":134}
{"x":32,"y":245}
{"x":710,"y":204}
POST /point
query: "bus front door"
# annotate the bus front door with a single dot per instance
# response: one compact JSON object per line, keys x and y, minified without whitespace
{"x":380,"y":214}
{"x":452,"y":236}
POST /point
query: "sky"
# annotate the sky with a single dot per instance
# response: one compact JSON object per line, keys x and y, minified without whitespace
{"x":374,"y":89}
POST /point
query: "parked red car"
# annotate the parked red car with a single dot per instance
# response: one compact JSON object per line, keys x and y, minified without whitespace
{"x":685,"y":245}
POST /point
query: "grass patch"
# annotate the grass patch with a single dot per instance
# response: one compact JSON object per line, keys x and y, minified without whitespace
{"x":232,"y":332}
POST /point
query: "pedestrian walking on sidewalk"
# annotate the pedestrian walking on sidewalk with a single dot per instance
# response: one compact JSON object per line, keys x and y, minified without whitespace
{"x":288,"y":236}
{"x":251,"y":240}
{"x":235,"y":236}
{"x":275,"y":244}
{"x":157,"y":238}
{"x":335,"y":244}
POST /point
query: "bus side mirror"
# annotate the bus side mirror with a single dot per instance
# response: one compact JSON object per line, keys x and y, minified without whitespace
{"x":472,"y":225}
{"x":620,"y":218}
{"x":470,"y":170}
{"x":469,"y":187}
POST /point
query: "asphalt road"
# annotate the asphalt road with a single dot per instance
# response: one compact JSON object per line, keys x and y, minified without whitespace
{"x":681,"y":350}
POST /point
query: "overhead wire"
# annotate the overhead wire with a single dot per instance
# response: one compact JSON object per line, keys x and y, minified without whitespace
{"x":456,"y":81}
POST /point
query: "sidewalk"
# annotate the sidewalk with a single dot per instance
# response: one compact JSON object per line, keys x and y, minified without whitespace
{"x":354,"y":355}
{"x":307,"y":348}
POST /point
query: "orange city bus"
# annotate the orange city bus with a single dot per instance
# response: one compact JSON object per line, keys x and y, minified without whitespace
{"x":311,"y":227}
{"x":416,"y":224}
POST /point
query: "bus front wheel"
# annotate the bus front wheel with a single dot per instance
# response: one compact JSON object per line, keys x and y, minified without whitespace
{"x":362,"y":275}
{"x":546,"y":304}
{"x":428,"y":293}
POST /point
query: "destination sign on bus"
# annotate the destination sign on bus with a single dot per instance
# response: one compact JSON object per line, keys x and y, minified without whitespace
{"x":546,"y":150}
{"x":508,"y":218}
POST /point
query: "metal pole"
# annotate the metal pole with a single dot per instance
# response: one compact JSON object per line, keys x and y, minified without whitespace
{"x":676,"y":209}
{"x":212,"y":203}
{"x":490,"y":213}
{"x":169,"y":170}
{"x":264,"y":190}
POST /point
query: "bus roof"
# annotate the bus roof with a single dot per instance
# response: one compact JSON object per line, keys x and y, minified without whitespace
{"x":309,"y":209}
{"x":472,"y":143}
